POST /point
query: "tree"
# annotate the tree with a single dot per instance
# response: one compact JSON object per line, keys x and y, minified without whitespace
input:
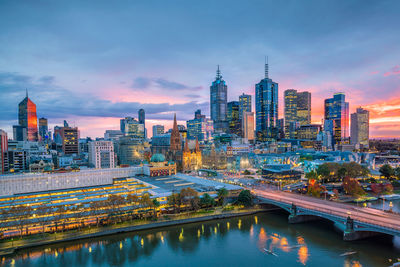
{"x":312,"y":175}
{"x":245,"y":198}
{"x":21,"y":214}
{"x":352,"y":187}
{"x":222,"y":194}
{"x":397,"y":172}
{"x":186,"y":196}
{"x":174,"y":201}
{"x":115,"y":202}
{"x":206,"y":200}
{"x":59,"y":215}
{"x":314,"y":188}
{"x":387,"y":171}
{"x":155,"y":205}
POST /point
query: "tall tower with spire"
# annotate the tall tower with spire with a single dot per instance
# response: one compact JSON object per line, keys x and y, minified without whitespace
{"x":218,"y":103}
{"x":27,"y":118}
{"x":266,"y":107}
{"x":175,"y":143}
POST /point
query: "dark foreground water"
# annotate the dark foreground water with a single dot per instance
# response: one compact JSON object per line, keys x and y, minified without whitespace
{"x":232,"y":242}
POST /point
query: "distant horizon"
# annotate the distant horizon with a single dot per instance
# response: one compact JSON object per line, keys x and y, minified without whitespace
{"x":94,"y":64}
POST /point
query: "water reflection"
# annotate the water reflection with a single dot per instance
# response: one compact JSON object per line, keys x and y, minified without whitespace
{"x":289,"y":243}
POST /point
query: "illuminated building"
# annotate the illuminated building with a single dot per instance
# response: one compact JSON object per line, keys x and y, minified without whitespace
{"x":70,"y":140}
{"x":27,"y":118}
{"x":214,"y":159}
{"x":19,"y":133}
{"x":248,"y":126}
{"x":200,"y":127}
{"x":159,"y":166}
{"x":3,"y":149}
{"x":16,"y":161}
{"x":191,"y":160}
{"x":266,"y":108}
{"x":218,"y":103}
{"x":304,"y":107}
{"x":158,"y":130}
{"x":244,"y":104}
{"x":112,"y":135}
{"x":101,"y":154}
{"x":43,"y":129}
{"x":308,"y":132}
{"x":233,"y":118}
{"x":142,"y":120}
{"x":337,"y":110}
{"x":360,"y":128}
{"x":290,"y":98}
{"x":131,"y":151}
{"x":133,"y":128}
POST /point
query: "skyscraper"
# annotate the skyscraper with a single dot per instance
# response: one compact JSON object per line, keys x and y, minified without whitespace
{"x":218,"y":103}
{"x":142,"y":120}
{"x":233,"y":118}
{"x":304,"y":107}
{"x":43,"y":129}
{"x":290,"y":99}
{"x":266,"y":108}
{"x":158,"y":130}
{"x":3,"y":150}
{"x":244,"y":104}
{"x":27,"y":118}
{"x":70,"y":140}
{"x":248,"y":125}
{"x":337,"y":110}
{"x":200,"y":128}
{"x":360,"y":128}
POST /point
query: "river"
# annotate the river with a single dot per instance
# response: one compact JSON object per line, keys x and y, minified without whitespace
{"x":231,"y":242}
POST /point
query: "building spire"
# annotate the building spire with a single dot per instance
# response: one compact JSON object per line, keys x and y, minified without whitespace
{"x":266,"y":67}
{"x":219,"y":76}
{"x":197,"y":148}
{"x":26,"y":92}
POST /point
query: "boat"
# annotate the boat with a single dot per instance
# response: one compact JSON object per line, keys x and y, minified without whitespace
{"x":390,"y":197}
{"x":270,"y":252}
{"x":348,"y":253}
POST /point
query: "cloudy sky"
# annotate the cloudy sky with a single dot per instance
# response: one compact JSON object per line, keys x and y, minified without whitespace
{"x":93,"y":62}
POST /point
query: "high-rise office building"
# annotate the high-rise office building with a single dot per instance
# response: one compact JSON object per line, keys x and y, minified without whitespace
{"x":132,"y":128}
{"x":337,"y":110}
{"x":244,"y":104}
{"x":27,"y":118}
{"x":101,"y":154}
{"x":233,"y":118}
{"x":304,"y":107}
{"x":142,"y":120}
{"x":158,"y":130}
{"x":248,"y":125}
{"x":19,"y":133}
{"x":3,"y":149}
{"x":218,"y":103}
{"x":360,"y":128}
{"x":43,"y":129}
{"x":112,"y":135}
{"x":290,"y":111}
{"x":200,"y":128}
{"x":70,"y":140}
{"x":266,"y":108}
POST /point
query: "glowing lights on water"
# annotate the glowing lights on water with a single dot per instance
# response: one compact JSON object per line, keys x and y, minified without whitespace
{"x":215,"y":230}
{"x":181,"y":235}
{"x":228,"y":225}
{"x":162,"y":239}
{"x":141,"y":242}
{"x":303,"y":254}
{"x":251,"y":231}
{"x":90,"y":249}
{"x":239,"y":224}
{"x":55,"y":254}
{"x":198,"y":233}
{"x":202,"y":228}
{"x":12,"y":262}
{"x":256,"y":219}
{"x":121,"y":246}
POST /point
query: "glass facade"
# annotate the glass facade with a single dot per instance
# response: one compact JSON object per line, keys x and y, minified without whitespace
{"x":233,"y":118}
{"x":290,"y":99}
{"x":266,"y":109}
{"x":304,"y":108}
{"x":200,"y":127}
{"x":337,"y":110}
{"x":360,"y":128}
{"x":27,"y":118}
{"x":218,"y":103}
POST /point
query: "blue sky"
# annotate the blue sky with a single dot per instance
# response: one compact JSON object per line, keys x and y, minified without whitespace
{"x":92,"y":62}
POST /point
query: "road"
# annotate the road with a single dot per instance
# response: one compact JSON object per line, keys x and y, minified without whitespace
{"x":373,"y":217}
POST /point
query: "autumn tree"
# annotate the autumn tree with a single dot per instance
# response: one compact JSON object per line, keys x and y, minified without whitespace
{"x":352,"y":187}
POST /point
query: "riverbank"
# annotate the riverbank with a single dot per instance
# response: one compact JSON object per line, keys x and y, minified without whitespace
{"x":9,"y":247}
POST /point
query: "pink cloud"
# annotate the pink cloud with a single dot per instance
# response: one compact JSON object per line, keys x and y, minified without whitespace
{"x":394,"y":71}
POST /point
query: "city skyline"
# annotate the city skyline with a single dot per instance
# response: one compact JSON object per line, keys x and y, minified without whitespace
{"x":107,"y":75}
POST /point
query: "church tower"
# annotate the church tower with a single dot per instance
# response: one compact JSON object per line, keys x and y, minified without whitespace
{"x":175,"y":144}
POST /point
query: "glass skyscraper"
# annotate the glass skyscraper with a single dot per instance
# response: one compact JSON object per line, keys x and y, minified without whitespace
{"x":360,"y":128}
{"x":233,"y":118}
{"x":304,"y":107}
{"x":266,"y":108}
{"x":200,"y":127}
{"x":218,"y":103}
{"x":27,"y":118}
{"x":244,"y":104}
{"x":290,"y":111}
{"x":337,"y":110}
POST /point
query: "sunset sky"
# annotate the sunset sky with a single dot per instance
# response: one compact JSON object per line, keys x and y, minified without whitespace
{"x":93,"y":62}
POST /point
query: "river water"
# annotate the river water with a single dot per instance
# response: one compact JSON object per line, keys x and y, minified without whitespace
{"x":230,"y":242}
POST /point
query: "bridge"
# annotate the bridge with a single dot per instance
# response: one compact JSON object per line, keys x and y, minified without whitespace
{"x":355,"y":222}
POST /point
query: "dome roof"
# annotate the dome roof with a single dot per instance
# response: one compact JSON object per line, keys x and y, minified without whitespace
{"x":157,"y":158}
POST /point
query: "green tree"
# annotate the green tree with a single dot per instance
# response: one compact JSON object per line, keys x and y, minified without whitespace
{"x":207,"y":201}
{"x":387,"y":171}
{"x":312,"y":175}
{"x":245,"y":198}
{"x":222,"y":194}
{"x":397,"y":172}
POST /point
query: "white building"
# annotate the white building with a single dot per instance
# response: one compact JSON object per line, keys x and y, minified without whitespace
{"x":359,"y":134}
{"x":248,"y":125}
{"x":38,"y":182}
{"x":101,"y":154}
